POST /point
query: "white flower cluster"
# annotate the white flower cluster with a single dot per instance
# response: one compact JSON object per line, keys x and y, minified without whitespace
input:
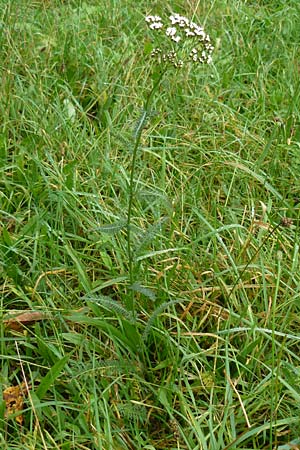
{"x":170,"y":57}
{"x":182,"y":31}
{"x":155,"y":22}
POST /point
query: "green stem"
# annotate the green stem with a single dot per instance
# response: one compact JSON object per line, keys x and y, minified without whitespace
{"x":138,"y":135}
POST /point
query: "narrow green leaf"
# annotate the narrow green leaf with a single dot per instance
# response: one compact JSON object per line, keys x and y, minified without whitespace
{"x":112,"y":332}
{"x":82,"y":276}
{"x":132,"y":335}
{"x":6,"y":238}
{"x":290,"y":445}
{"x":51,"y":376}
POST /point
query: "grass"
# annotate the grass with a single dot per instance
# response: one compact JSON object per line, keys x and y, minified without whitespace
{"x":209,"y":357}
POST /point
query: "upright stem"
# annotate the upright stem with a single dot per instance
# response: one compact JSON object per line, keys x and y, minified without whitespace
{"x":138,"y":135}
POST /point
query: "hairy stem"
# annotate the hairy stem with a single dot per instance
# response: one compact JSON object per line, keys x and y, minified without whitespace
{"x":138,"y":134}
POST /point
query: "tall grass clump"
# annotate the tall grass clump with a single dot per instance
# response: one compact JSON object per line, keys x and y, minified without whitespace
{"x":149,"y":225}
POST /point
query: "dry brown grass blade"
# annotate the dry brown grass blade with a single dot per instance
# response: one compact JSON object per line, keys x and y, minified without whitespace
{"x":24,"y":319}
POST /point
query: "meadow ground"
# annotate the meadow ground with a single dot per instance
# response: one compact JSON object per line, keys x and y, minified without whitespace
{"x":202,"y":351}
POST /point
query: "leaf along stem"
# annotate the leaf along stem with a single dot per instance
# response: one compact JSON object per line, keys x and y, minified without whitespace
{"x":138,"y":135}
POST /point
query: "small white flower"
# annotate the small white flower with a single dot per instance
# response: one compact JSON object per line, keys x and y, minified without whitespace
{"x":199,"y":32}
{"x":179,"y":63}
{"x":189,"y":32}
{"x":176,"y":38}
{"x":153,"y":19}
{"x":177,"y":18}
{"x":173,"y":20}
{"x":155,"y":51}
{"x":171,"y":31}
{"x":156,"y":25}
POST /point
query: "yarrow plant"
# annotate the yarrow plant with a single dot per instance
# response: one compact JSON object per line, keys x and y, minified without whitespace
{"x":185,"y":41}
{"x":181,"y":41}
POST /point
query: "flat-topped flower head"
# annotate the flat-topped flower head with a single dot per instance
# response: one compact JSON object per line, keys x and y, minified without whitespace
{"x":180,"y":41}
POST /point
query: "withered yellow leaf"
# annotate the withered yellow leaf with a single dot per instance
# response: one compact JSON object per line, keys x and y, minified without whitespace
{"x":14,"y":401}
